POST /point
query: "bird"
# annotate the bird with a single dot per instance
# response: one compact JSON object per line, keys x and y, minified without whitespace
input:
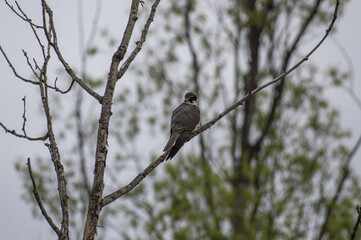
{"x":184,"y":120}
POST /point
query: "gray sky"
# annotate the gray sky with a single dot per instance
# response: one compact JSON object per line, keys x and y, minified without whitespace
{"x":16,"y":221}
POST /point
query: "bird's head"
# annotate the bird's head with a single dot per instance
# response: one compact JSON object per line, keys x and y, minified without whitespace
{"x":191,"y":98}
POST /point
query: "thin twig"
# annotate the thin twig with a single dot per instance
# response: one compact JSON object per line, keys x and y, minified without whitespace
{"x":24,"y":17}
{"x":30,"y":65}
{"x":14,"y":70}
{"x":58,"y":89}
{"x":19,"y":15}
{"x":24,"y":135}
{"x":40,"y":204}
{"x":31,"y":81}
{"x":24,"y":116}
{"x":51,"y":36}
{"x":32,"y":26}
{"x":13,"y":132}
{"x":120,"y":192}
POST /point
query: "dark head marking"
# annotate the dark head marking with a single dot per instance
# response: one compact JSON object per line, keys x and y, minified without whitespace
{"x":190,"y":97}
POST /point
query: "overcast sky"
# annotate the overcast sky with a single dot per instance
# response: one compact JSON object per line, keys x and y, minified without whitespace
{"x":16,"y":221}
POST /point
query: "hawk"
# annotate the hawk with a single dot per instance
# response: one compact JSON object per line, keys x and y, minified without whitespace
{"x":184,"y":120}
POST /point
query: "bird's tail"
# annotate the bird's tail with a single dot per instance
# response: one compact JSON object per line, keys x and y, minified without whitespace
{"x":171,"y":141}
{"x":183,"y":137}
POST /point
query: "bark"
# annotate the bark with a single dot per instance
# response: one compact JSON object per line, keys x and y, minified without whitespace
{"x":102,"y":137}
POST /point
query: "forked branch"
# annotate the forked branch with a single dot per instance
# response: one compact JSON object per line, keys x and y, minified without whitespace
{"x":51,"y":36}
{"x":139,"y":43}
{"x":24,"y":134}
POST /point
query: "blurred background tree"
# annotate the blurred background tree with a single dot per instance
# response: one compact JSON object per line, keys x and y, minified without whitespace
{"x":269,"y":170}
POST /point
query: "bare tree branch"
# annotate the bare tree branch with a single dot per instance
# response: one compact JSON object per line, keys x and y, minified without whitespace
{"x":52,"y":146}
{"x":102,"y":137}
{"x":122,"y":49}
{"x":84,"y":46}
{"x":357,"y":224}
{"x":40,"y":204}
{"x":32,"y":26}
{"x":51,"y":36}
{"x":120,"y":192}
{"x":58,"y":89}
{"x":142,"y":39}
{"x":14,"y":70}
{"x":24,"y":135}
{"x":24,"y":117}
{"x":40,"y":73}
{"x":13,"y":132}
{"x":28,"y":80}
{"x":31,"y":66}
{"x":22,"y":15}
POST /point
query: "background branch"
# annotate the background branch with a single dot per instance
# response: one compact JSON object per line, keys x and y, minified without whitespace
{"x":357,"y":224}
{"x":279,"y":90}
{"x":280,"y":77}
